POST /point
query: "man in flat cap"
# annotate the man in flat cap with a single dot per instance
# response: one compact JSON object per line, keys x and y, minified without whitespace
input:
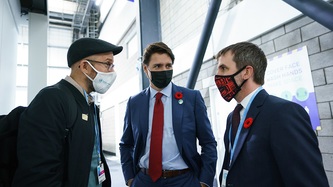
{"x":59,"y":138}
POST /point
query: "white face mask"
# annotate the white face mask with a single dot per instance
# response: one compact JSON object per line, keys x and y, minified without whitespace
{"x":103,"y":81}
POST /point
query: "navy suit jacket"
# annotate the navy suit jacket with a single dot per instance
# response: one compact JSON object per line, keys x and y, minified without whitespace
{"x":190,"y":122}
{"x":279,"y":149}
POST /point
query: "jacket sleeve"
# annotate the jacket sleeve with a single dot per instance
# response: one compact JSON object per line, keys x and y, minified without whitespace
{"x":40,"y":141}
{"x":206,"y":141}
{"x":126,"y":146}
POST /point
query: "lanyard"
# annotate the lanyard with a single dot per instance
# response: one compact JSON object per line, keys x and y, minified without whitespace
{"x":246,"y":109}
{"x":96,"y":129}
{"x":97,"y":135}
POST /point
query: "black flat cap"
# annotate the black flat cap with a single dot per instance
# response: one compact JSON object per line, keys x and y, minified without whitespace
{"x":85,"y":47}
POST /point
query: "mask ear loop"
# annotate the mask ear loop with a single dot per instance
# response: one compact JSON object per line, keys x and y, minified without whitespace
{"x":240,"y":86}
{"x":98,"y":72}
{"x":243,"y":83}
{"x":87,"y":74}
{"x":233,"y":76}
{"x":93,"y":67}
{"x":240,"y":70}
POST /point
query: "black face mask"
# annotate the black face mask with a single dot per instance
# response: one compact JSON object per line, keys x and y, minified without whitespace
{"x":161,"y":79}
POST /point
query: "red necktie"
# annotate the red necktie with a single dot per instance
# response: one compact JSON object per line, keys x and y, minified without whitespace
{"x":235,"y":121}
{"x":155,"y":155}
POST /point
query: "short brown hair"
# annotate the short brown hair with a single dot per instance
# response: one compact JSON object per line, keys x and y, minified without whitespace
{"x":158,"y":47}
{"x":248,"y":54}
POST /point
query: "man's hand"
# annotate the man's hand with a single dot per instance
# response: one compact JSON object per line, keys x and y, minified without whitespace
{"x":129,"y":183}
{"x":203,"y":185}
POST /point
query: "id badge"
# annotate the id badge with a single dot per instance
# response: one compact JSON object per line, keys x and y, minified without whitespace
{"x":100,"y":173}
{"x":224,"y":178}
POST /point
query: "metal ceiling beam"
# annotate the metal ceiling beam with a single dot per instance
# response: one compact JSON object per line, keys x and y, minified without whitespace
{"x":203,"y":42}
{"x":82,"y":14}
{"x":60,"y":24}
{"x":60,"y":19}
{"x":81,"y":18}
{"x":318,"y":10}
{"x":61,"y":16}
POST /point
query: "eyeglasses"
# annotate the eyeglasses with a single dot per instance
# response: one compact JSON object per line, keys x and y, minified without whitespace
{"x":106,"y":64}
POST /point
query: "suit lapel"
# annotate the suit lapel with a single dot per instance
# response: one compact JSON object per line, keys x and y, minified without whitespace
{"x":254,"y":110}
{"x":177,"y":114}
{"x":143,"y":113}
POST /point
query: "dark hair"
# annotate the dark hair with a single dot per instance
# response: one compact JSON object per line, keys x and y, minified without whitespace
{"x":158,"y":47}
{"x":248,"y":54}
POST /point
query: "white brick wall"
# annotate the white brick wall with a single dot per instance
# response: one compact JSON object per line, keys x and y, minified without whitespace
{"x":181,"y":19}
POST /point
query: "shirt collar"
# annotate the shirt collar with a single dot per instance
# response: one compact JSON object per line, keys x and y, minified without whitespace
{"x":246,"y":100}
{"x":88,"y":97}
{"x":165,"y":91}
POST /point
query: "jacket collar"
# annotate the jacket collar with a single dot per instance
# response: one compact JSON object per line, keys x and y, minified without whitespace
{"x":253,"y":112}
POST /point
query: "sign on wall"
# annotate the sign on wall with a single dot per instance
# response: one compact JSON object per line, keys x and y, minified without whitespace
{"x":289,"y":76}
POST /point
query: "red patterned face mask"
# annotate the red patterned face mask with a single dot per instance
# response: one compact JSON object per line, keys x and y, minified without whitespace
{"x":227,"y":85}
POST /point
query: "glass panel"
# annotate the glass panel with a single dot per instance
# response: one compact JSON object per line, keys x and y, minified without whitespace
{"x":21,"y":96}
{"x":55,"y":74}
{"x":57,"y":57}
{"x":21,"y":76}
{"x":132,"y":46}
{"x":60,"y":37}
{"x":22,"y":54}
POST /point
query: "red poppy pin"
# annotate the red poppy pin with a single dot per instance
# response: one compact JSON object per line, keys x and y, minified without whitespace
{"x":248,"y":122}
{"x":179,"y":97}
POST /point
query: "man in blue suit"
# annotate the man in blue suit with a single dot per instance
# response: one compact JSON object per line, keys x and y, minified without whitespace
{"x":185,"y":121}
{"x":273,"y":144}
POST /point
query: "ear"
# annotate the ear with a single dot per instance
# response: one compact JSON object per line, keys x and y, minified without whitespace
{"x":145,"y":69}
{"x":248,"y":72}
{"x":83,"y":65}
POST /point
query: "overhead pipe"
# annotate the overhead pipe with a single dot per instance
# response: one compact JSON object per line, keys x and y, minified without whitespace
{"x":318,"y":10}
{"x":203,"y":42}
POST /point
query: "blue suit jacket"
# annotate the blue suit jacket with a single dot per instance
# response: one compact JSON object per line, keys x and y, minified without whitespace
{"x":190,"y":122}
{"x":278,"y":149}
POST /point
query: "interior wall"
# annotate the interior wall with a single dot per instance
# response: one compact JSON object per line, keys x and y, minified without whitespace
{"x":9,"y":12}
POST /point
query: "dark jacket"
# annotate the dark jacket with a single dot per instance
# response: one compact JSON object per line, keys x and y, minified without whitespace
{"x":49,"y":155}
{"x":279,"y":149}
{"x":190,"y":123}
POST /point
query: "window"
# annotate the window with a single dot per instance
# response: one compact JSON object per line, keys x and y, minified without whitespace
{"x":132,"y":46}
